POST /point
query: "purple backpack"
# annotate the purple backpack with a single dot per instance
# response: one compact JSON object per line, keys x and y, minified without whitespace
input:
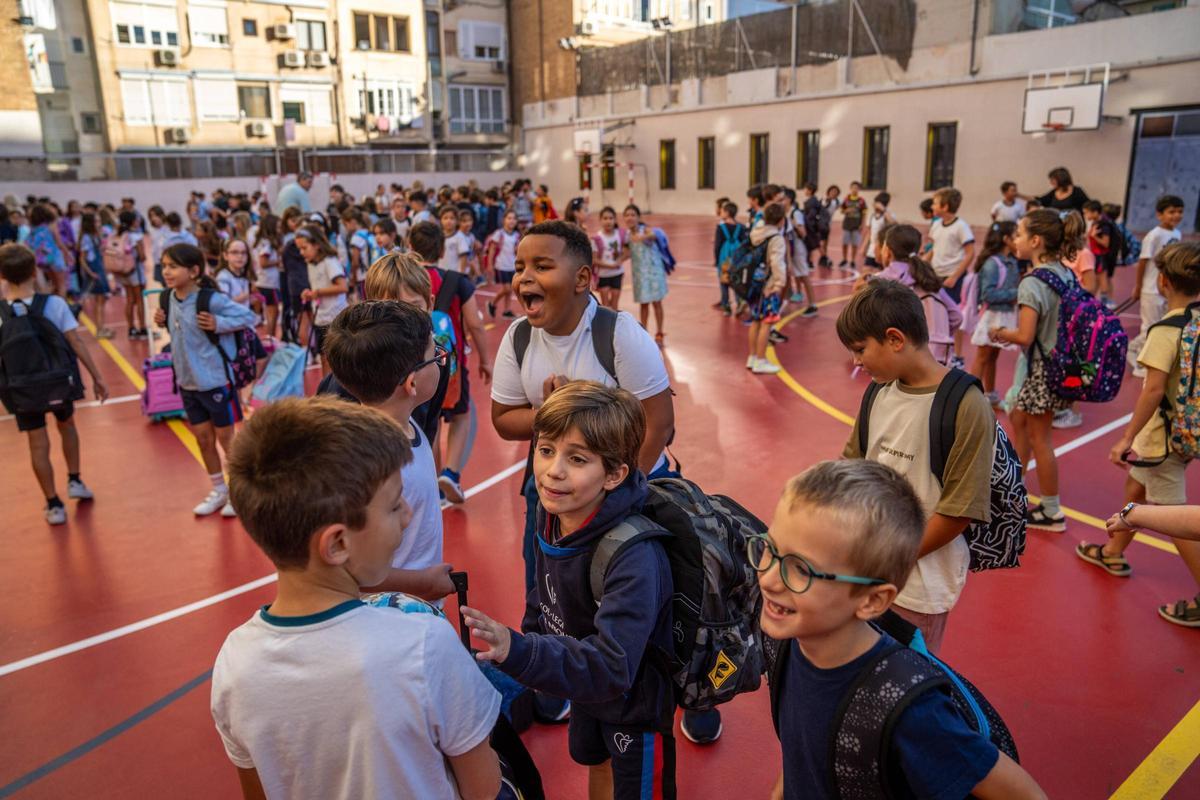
{"x":1088,"y":361}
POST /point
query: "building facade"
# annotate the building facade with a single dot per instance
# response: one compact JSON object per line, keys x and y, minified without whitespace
{"x":384,"y":71}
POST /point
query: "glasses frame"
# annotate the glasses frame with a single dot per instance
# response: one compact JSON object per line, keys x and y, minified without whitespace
{"x":440,"y":354}
{"x":812,"y":571}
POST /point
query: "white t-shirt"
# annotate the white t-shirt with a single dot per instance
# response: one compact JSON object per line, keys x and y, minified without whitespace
{"x":321,"y":276}
{"x":612,"y":253}
{"x":56,"y":310}
{"x":456,"y":245}
{"x":1002,"y":212}
{"x":877,"y":221}
{"x":266,"y":277}
{"x":421,"y":545}
{"x":505,"y":259}
{"x":359,"y":701}
{"x":1153,"y":244}
{"x":424,"y":215}
{"x":948,"y":243}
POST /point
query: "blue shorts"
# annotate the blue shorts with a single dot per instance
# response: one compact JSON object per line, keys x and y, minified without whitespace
{"x":219,"y":406}
{"x":643,"y":759}
{"x":767,"y":309}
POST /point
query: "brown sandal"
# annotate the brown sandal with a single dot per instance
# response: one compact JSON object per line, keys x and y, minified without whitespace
{"x":1113,"y":565}
{"x":1181,"y":613}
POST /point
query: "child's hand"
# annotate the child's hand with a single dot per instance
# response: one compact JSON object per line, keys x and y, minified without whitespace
{"x":552,"y":383}
{"x":440,"y":584}
{"x":306,"y":295}
{"x":488,"y":630}
{"x":950,"y":281}
{"x":206,"y":321}
{"x":1121,"y":449}
{"x":994,"y":333}
{"x":160,"y":318}
{"x":485,"y":372}
{"x":99,"y":388}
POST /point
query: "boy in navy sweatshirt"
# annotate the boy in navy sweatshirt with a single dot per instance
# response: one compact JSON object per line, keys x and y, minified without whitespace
{"x":605,"y":654}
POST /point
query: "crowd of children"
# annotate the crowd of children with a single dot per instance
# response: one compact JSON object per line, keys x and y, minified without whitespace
{"x":383,"y":291}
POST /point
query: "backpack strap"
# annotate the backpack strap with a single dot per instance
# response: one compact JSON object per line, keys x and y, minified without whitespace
{"x":864,"y":414}
{"x":445,"y":292}
{"x":203,"y":304}
{"x":38,"y":307}
{"x":776,"y":669}
{"x":521,"y":334}
{"x":6,"y":311}
{"x":942,"y":417}
{"x":635,"y":528}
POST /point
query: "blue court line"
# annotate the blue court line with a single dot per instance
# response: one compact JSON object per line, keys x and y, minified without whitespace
{"x":113,"y":732}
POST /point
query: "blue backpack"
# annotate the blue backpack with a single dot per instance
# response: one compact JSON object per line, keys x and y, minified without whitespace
{"x":748,"y":270}
{"x":664,"y":249}
{"x":729,"y":245}
{"x":284,"y":376}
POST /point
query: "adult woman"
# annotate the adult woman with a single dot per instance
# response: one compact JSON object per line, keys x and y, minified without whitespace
{"x":1065,"y":195}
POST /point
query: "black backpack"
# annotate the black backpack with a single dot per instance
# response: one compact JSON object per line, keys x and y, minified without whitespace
{"x":997,"y":544}
{"x":242,"y":369}
{"x":748,"y":270}
{"x":861,"y":754}
{"x":38,"y":369}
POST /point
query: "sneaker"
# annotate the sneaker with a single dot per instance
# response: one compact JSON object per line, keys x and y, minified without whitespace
{"x":796,"y":297}
{"x":811,"y":311}
{"x":842,"y":264}
{"x":701,"y":727}
{"x":550,"y":710}
{"x":751,"y":362}
{"x":450,"y":488}
{"x":76,"y":490}
{"x":56,"y":515}
{"x":227,"y":510}
{"x":825,"y":262}
{"x":957,"y":363}
{"x":215,"y":501}
{"x":1037,"y":517}
{"x":491,"y":309}
{"x":508,"y":314}
{"x":1067,"y":418}
{"x":727,"y":311}
{"x":777,"y":337}
{"x":764,"y":367}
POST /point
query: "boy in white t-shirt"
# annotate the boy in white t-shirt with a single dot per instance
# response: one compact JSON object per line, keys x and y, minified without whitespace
{"x":500,"y":256}
{"x":382,"y":352}
{"x":1169,"y":211}
{"x":1011,"y":206}
{"x":880,"y":216}
{"x":953,"y":252}
{"x":456,"y":252}
{"x":317,"y":689}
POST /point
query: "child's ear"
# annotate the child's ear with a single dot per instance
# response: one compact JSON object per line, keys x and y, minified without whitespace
{"x":876,"y":600}
{"x":895,"y":339}
{"x":330,"y":545}
{"x":615,"y":478}
{"x":408,"y":386}
{"x":583,"y":279}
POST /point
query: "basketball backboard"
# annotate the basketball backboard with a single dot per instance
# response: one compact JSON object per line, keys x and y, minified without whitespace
{"x":587,"y":141}
{"x":1069,"y":99}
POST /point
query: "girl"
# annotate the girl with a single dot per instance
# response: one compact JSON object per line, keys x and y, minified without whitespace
{"x":326,"y":280}
{"x":1083,"y":263}
{"x":1040,"y":238}
{"x":235,"y":276}
{"x":209,"y":242}
{"x":576,"y":213}
{"x":829,"y":207}
{"x":898,"y":248}
{"x":649,"y":275}
{"x":610,"y":248}
{"x":500,"y":255}
{"x":241,"y":225}
{"x":91,"y":263}
{"x":297,"y":320}
{"x":43,"y":241}
{"x":455,"y":249}
{"x":135,"y":311}
{"x":998,"y":278}
{"x":466,"y":228}
{"x":266,"y":259}
{"x":209,"y":400}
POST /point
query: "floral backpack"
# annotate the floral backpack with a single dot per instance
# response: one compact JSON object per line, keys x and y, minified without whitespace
{"x":1182,"y":417}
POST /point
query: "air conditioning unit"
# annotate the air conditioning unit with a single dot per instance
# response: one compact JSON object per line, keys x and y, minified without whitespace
{"x":588,"y":28}
{"x":166,"y":58}
{"x":178,"y":135}
{"x":317,"y":58}
{"x":292,"y":58}
{"x":259,"y":128}
{"x":499,"y":66}
{"x":284,"y":30}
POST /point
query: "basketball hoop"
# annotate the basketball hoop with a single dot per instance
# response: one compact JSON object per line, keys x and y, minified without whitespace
{"x":1053,"y":127}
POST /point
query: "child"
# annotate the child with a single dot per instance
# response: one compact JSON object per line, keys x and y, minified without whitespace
{"x":1011,"y":206}
{"x":399,"y":218}
{"x":471,"y":246}
{"x":1083,"y":264}
{"x":1040,"y":237}
{"x":754,"y":205}
{"x":798,"y":267}
{"x":209,"y":399}
{"x":18,"y":268}
{"x":383,"y":353}
{"x":765,"y":312}
{"x":599,"y":653}
{"x":267,"y":246}
{"x":384,"y":232}
{"x":319,"y":673}
{"x":326,"y":281}
{"x":91,"y":264}
{"x":543,"y":209}
{"x":814,"y":224}
{"x":358,"y":248}
{"x":418,"y":203}
{"x":829,"y":207}
{"x":500,"y":255}
{"x":953,"y":250}
{"x":998,"y":279}
{"x":854,"y":208}
{"x":1104,"y":243}
{"x":1169,"y":211}
{"x":132,"y":241}
{"x":454,"y":250}
{"x":649,"y":274}
{"x":1157,"y":474}
{"x":898,"y":249}
{"x":729,"y":236}
{"x":47,"y":248}
{"x":824,"y":521}
{"x":234,"y":274}
{"x":883,"y":326}
{"x":1130,"y":249}
{"x":880,"y":216}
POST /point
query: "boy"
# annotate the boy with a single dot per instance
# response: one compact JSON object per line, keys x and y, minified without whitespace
{"x":884,"y":328}
{"x":764,"y":313}
{"x":382,"y":352}
{"x":1104,"y":244}
{"x":798,"y":268}
{"x":18,"y":268}
{"x":1169,"y":211}
{"x":827,"y":516}
{"x":455,"y":249}
{"x":729,"y":234}
{"x":399,"y":218}
{"x":466,"y":226}
{"x":500,"y":255}
{"x":1158,"y":474}
{"x":854,"y":208}
{"x":754,"y":205}
{"x":385,"y":240}
{"x":317,"y":689}
{"x":604,"y":653}
{"x":1011,"y":206}
{"x":953,"y":252}
{"x":814,"y":224}
{"x":880,"y":216}
{"x":418,"y":202}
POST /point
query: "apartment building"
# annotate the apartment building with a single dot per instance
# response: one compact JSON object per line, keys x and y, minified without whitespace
{"x":384,"y":71}
{"x":469,"y":72}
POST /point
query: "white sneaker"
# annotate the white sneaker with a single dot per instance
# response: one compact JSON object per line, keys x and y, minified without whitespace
{"x":1067,"y":418}
{"x":76,"y":490}
{"x":215,"y":501}
{"x":56,"y":515}
{"x":751,"y":362}
{"x":764,"y":367}
{"x":227,"y":510}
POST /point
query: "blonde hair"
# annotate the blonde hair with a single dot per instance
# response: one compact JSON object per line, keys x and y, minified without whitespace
{"x":949,"y":197}
{"x":610,"y":420}
{"x":394,"y":273}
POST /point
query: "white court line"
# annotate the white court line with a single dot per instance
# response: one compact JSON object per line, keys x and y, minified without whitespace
{"x":1075,"y":444}
{"x":175,"y":613}
{"x":112,"y":401}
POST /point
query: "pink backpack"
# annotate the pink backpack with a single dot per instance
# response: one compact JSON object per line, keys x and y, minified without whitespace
{"x":118,"y":255}
{"x":943,"y":318}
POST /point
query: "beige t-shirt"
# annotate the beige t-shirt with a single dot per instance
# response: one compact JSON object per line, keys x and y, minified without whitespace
{"x":899,"y":437}
{"x":1160,"y":352}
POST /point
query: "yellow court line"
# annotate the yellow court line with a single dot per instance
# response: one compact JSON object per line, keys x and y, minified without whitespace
{"x":177,"y":427}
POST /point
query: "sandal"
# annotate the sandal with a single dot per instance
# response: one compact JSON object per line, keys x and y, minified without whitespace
{"x":1113,"y":565}
{"x":1181,"y":613}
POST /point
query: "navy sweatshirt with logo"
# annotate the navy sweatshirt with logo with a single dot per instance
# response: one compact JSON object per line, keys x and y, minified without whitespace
{"x":607,"y":660}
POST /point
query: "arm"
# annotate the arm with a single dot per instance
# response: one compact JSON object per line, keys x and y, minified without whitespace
{"x":1138,"y":278}
{"x":474,"y":325}
{"x":660,"y":424}
{"x":251,"y":786}
{"x":477,"y":772}
{"x":224,"y":316}
{"x":968,"y":257}
{"x":777,"y":789}
{"x":514,"y":423}
{"x":1024,"y":333}
{"x":1089,"y":281}
{"x":1008,"y":781}
{"x":1147,"y":405}
{"x":76,"y":342}
{"x":777,"y":258}
{"x":429,"y":583}
{"x":717,"y":242}
{"x":1181,"y":522}
{"x":940,"y":531}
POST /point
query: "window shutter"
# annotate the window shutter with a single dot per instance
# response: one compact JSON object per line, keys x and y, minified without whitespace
{"x":216,"y":99}
{"x":171,"y":103}
{"x":466,"y":39}
{"x":486,"y":34}
{"x":135,"y":98}
{"x":157,"y":18}
{"x":205,"y":19}
{"x":320,"y":106}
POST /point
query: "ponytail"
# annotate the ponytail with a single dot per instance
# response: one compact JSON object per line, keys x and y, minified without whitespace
{"x":924,"y":278}
{"x":904,"y":242}
{"x":191,"y":257}
{"x":993,"y":244}
{"x":1059,"y":242}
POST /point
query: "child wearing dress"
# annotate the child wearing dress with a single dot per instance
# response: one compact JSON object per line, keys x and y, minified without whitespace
{"x":998,"y":276}
{"x":649,"y":274}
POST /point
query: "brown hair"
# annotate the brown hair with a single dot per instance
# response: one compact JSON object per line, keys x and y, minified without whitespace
{"x":880,"y":305}
{"x":248,"y":272}
{"x":374,"y":345}
{"x":610,"y":420}
{"x":773,"y":214}
{"x":877,"y":512}
{"x":315,"y":234}
{"x":1179,"y":264}
{"x":950,"y":198}
{"x":17,"y":263}
{"x":1049,"y":226}
{"x":281,"y":499}
{"x":905,"y":243}
{"x":395,"y":272}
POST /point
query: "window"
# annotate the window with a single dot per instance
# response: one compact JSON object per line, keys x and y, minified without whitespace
{"x":875,"y":157}
{"x":433,"y":34}
{"x":310,"y":34}
{"x":138,"y":25}
{"x":250,"y":27}
{"x":381,"y":32}
{"x":362,"y":31}
{"x":217,"y":99}
{"x":585,"y":173}
{"x":480,"y":41}
{"x":306,"y":103}
{"x":808,"y":156}
{"x":254,"y":102}
{"x":706,"y":157}
{"x":89,"y":122}
{"x":608,"y":173}
{"x":760,"y":146}
{"x":476,"y":109}
{"x":155,"y":102}
{"x":208,"y":25}
{"x":666,"y":164}
{"x":400,"y":39}
{"x":294,"y":111}
{"x":396,"y":101}
{"x":939,"y":155}
{"x":77,"y":44}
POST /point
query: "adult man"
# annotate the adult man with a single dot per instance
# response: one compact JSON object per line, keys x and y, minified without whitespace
{"x":295,"y":194}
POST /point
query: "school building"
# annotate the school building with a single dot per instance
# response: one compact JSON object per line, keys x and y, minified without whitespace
{"x":902,"y":95}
